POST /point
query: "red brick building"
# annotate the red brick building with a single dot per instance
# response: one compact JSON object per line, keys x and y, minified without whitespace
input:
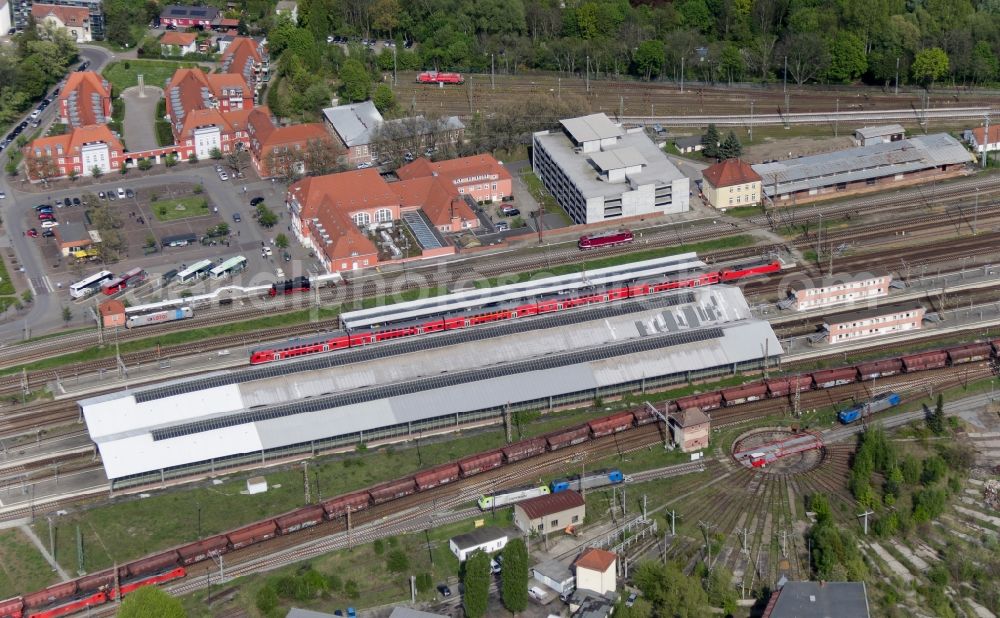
{"x":193,"y":89}
{"x":480,"y":176}
{"x":329,"y":211}
{"x":189,"y":16}
{"x":175,"y":43}
{"x":440,"y":201}
{"x":204,"y":130}
{"x":285,"y":151}
{"x":245,"y":57}
{"x":85,"y":100}
{"x":80,"y":151}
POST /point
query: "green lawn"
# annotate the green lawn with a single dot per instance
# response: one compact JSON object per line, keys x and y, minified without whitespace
{"x":543,"y":197}
{"x":24,"y":568}
{"x":180,"y":208}
{"x":125,"y":73}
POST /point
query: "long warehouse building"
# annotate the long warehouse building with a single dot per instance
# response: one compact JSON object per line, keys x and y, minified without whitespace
{"x":258,"y":416}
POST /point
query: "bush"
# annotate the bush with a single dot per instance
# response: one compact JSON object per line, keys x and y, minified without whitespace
{"x":424,"y":582}
{"x":334,"y":583}
{"x":286,"y":587}
{"x":351,"y":590}
{"x":198,"y":189}
{"x":267,"y":599}
{"x":378,"y":546}
{"x":397,"y":561}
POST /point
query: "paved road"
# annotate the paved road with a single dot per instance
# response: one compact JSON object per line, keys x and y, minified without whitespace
{"x":140,"y":115}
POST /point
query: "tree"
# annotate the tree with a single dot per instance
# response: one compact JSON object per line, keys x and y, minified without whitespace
{"x":649,"y":59}
{"x":383,"y":98}
{"x":41,"y":168}
{"x":215,"y":153}
{"x":847,"y":58}
{"x":355,"y":82}
{"x":477,"y":584}
{"x":170,"y":160}
{"x":266,"y":217}
{"x":96,"y":171}
{"x":711,"y":141}
{"x":151,"y":601}
{"x":930,"y":65}
{"x":670,"y":591}
{"x":935,"y":421}
{"x":192,"y":158}
{"x":731,"y":147}
{"x":144,"y":165}
{"x":281,"y":241}
{"x":237,"y":161}
{"x":514,"y":576}
{"x":73,"y":174}
{"x":806,"y":54}
{"x":26,"y":296}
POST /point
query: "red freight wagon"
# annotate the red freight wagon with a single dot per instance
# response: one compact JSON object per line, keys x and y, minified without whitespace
{"x":611,"y":424}
{"x":50,"y":594}
{"x":93,"y":582}
{"x":302,"y":518}
{"x":744,"y":394}
{"x":392,"y":490}
{"x":196,"y":552}
{"x":644,"y":416}
{"x":569,"y":437}
{"x":969,"y":353}
{"x":877,"y":369}
{"x":161,"y":578}
{"x":835,"y":377}
{"x":11,"y":607}
{"x":254,"y":533}
{"x":925,"y":360}
{"x":338,"y":506}
{"x":440,"y":475}
{"x":779,"y":387}
{"x":705,"y":401}
{"x":524,"y":449}
{"x":481,"y":463}
{"x":153,"y":563}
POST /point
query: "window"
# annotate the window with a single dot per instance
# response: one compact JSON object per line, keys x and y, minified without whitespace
{"x":383,"y":214}
{"x":554,"y":523}
{"x":576,"y":518}
{"x":362,"y":218}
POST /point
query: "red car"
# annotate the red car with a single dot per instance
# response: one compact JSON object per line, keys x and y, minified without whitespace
{"x":46,"y":217}
{"x":32,"y":233}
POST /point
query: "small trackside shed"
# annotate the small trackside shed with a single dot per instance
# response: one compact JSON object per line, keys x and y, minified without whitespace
{"x":490,"y":540}
{"x":549,"y":513}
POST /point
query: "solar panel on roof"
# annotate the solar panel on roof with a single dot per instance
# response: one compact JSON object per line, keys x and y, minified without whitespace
{"x":320,"y":404}
{"x":407,"y":346}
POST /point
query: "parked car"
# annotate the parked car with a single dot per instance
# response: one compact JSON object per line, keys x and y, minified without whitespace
{"x":266,"y":252}
{"x":67,"y":202}
{"x":503,"y":226}
{"x":46,"y":216}
{"x":536,"y":593}
{"x":49,"y":223}
{"x":494,"y":567}
{"x":3,"y":195}
{"x":237,"y":218}
{"x":256,"y":200}
{"x":42,"y":207}
{"x":36,"y":114}
{"x":281,"y":273}
{"x":48,"y":234}
{"x":444,"y":590}
{"x":288,"y":256}
{"x":121,"y":193}
{"x":223,"y":176}
{"x":129,"y":193}
{"x":76,"y":201}
{"x":111,"y":196}
{"x":101,"y":196}
{"x":631,"y":599}
{"x":511,"y":212}
{"x":32,"y":233}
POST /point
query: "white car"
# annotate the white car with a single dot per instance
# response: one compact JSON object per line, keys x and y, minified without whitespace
{"x":281,"y":274}
{"x":536,"y":593}
{"x":36,"y":114}
{"x":49,"y":223}
{"x":3,"y":195}
{"x":223,"y":176}
{"x":266,"y":251}
{"x":121,"y":193}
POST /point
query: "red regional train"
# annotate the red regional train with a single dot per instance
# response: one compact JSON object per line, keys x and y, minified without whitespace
{"x":608,"y":239}
{"x":93,"y":590}
{"x":339,"y":340}
{"x":435,"y":77}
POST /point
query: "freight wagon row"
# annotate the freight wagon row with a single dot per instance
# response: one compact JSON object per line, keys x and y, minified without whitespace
{"x":829,"y":378}
{"x":91,"y":590}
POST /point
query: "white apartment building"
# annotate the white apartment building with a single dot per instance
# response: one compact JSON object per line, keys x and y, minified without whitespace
{"x":835,"y":291}
{"x":874,"y":322}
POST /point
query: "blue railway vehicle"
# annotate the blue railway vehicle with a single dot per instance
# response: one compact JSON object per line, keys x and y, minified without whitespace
{"x":862,"y":410}
{"x":600,"y":478}
{"x":511,"y":496}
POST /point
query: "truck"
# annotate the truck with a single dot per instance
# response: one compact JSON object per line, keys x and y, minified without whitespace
{"x":862,"y":410}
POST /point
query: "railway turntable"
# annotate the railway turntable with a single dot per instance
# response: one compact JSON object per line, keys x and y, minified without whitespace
{"x":415,"y":387}
{"x":786,"y":450}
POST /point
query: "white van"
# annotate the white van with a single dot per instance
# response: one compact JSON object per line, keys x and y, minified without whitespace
{"x":536,"y":593}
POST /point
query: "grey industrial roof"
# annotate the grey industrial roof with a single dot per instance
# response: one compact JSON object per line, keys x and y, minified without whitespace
{"x":73,"y":231}
{"x":688,"y":142}
{"x":135,"y":437}
{"x":553,"y":569}
{"x":617,"y":159}
{"x":406,"y":612}
{"x":355,"y":123}
{"x":479,"y":536}
{"x":592,"y":127}
{"x":580,"y":168}
{"x":864,"y":314}
{"x":821,"y":600}
{"x":861,"y":163}
{"x":886,"y":129}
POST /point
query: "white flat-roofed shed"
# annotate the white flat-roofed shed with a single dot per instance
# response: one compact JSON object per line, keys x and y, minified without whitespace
{"x":149,"y":432}
{"x":477,"y":297}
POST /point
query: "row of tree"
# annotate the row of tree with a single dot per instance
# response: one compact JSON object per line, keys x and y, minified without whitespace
{"x":513,"y":580}
{"x":39,"y":58}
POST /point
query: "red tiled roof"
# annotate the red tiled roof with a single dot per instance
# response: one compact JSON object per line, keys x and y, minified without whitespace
{"x":980,"y":132}
{"x":438,"y":199}
{"x":85,"y":84}
{"x":180,"y":39}
{"x":596,"y":560}
{"x":729,"y":173}
{"x":70,"y":16}
{"x":190,"y":82}
{"x":239,"y":51}
{"x":454,"y":169}
{"x":203,"y":118}
{"x":72,"y":141}
{"x":543,"y":506}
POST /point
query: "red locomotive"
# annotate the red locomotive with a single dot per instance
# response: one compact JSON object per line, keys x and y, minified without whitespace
{"x":607,"y":239}
{"x":436,"y":77}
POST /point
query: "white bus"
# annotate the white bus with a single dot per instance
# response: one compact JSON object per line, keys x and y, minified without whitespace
{"x":195,"y":271}
{"x":229,"y":267}
{"x":90,"y":285}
